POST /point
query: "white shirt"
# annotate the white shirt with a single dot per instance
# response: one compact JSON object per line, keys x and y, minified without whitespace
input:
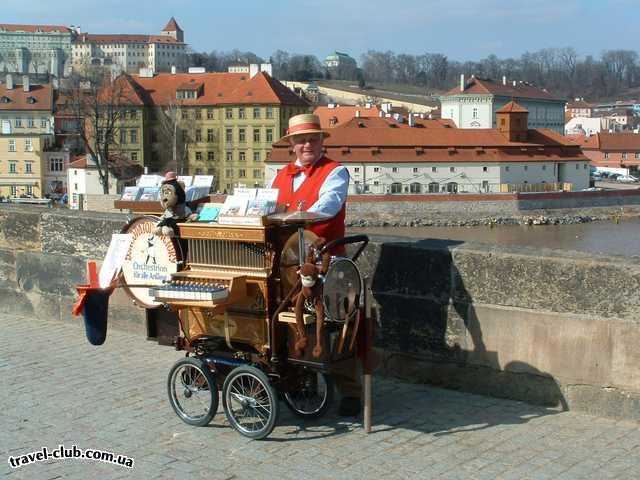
{"x":332,"y":194}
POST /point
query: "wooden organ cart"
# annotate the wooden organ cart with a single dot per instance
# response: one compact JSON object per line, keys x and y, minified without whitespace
{"x":228,"y":305}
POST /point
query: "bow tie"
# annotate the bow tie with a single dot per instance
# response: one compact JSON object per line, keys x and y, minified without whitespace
{"x":293,"y":169}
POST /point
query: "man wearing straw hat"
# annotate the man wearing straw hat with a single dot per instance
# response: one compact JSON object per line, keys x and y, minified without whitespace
{"x":314,"y":183}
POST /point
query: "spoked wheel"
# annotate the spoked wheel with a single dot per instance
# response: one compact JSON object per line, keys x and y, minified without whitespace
{"x":250,"y":402}
{"x":311,"y":395}
{"x":193,"y":392}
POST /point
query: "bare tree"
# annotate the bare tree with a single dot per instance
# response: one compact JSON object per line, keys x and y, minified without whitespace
{"x":101,"y":102}
{"x":176,"y":133}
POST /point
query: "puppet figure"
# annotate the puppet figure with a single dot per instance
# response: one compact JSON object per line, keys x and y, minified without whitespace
{"x":173,"y":201}
{"x":310,"y":277}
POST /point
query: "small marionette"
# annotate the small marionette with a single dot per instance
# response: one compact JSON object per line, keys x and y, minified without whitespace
{"x":173,"y":201}
{"x":311,"y":278}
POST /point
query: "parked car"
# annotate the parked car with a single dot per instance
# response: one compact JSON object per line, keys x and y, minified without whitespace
{"x":627,"y":179}
{"x":613,"y":176}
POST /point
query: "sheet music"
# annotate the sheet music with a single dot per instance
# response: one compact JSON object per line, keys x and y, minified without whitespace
{"x":118,"y":248}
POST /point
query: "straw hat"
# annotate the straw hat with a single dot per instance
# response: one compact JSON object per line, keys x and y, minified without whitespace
{"x":303,"y":124}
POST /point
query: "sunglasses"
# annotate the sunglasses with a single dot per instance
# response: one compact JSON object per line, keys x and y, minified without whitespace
{"x":302,"y":139}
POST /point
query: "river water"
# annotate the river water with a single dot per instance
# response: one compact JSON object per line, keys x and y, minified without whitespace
{"x":605,"y":237}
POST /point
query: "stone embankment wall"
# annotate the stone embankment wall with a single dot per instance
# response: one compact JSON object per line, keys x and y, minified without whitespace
{"x":467,"y":209}
{"x":548,"y":327}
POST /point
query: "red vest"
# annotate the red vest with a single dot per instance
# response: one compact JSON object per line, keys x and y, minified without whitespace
{"x":308,"y":193}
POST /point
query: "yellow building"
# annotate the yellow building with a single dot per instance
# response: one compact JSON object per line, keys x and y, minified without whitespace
{"x":26,"y":131}
{"x":225,"y":123}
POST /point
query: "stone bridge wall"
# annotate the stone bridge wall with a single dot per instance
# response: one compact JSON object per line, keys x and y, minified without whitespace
{"x":547,"y":327}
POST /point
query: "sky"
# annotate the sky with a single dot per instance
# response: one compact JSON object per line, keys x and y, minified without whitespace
{"x":462,"y":30}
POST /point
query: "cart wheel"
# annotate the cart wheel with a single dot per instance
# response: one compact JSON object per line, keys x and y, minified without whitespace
{"x":311,"y":396}
{"x":250,"y":402}
{"x":193,"y":392}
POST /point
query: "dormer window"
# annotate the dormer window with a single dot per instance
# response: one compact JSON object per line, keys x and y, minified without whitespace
{"x":31,"y":100}
{"x":5,"y":99}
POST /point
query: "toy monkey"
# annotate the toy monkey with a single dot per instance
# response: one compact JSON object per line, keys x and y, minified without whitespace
{"x":173,"y":200}
{"x":312,"y":284}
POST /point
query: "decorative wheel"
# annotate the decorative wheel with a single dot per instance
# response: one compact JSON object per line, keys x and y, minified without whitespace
{"x":193,"y":392}
{"x":250,"y":402}
{"x":310,"y":396}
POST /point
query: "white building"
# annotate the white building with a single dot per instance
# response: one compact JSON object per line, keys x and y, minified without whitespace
{"x":586,"y":125}
{"x":474,"y":104}
{"x":130,"y":53}
{"x":83,"y":179}
{"x":383,"y":157}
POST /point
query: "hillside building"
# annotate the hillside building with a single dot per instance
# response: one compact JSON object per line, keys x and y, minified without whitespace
{"x":474,"y":104}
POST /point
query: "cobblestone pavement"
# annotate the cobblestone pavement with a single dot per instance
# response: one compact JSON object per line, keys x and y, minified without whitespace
{"x":58,"y":389}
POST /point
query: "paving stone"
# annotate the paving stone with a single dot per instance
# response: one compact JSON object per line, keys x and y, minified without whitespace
{"x":113,"y":397}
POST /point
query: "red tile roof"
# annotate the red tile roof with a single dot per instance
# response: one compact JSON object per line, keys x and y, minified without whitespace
{"x":579,"y":104}
{"x":171,"y":26}
{"x":482,"y":86}
{"x":618,"y":142}
{"x":512,"y":107}
{"x":41,"y":95}
{"x":219,"y":89}
{"x":353,"y":142}
{"x":124,"y":38}
{"x":7,"y":27}
{"x":343,"y":114}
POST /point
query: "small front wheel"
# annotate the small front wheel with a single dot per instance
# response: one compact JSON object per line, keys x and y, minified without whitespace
{"x":311,"y":395}
{"x":250,"y":402}
{"x":193,"y":392}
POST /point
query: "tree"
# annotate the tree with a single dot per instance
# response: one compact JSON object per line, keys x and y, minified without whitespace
{"x":101,"y":103}
{"x":176,"y":129}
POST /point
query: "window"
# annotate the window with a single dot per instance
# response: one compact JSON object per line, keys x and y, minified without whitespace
{"x":376,"y":169}
{"x":376,"y":183}
{"x":415,"y":170}
{"x":624,"y":155}
{"x":229,"y":156}
{"x":394,"y":169}
{"x":242,"y":156}
{"x":28,"y":167}
{"x":55,"y":164}
{"x":502,"y":122}
{"x":30,"y":123}
{"x":12,"y":145}
{"x":209,"y":113}
{"x":256,"y":135}
{"x":198,"y":114}
{"x":452,"y":169}
{"x":134,"y":156}
{"x":585,"y":166}
{"x":18,"y":122}
{"x":185,"y":114}
{"x":229,"y":135}
{"x":228,"y":113}
{"x":211,"y":171}
{"x":452,"y":187}
{"x":241,"y":135}
{"x":241,"y":112}
{"x":229,"y":173}
{"x":198,"y":171}
{"x":133,"y":114}
{"x":637,"y":154}
{"x":434,"y":169}
{"x":14,"y":191}
{"x":43,"y":123}
{"x":256,"y":112}
{"x":133,"y":135}
{"x":269,"y":112}
{"x":544,"y":167}
{"x":526,"y":167}
{"x":211,"y":156}
{"x":28,"y":145}
{"x":475,"y":112}
{"x":12,"y":167}
{"x":396,"y":187}
{"x":123,"y":136}
{"x":484,"y":169}
{"x":356,"y":169}
{"x":269,"y":135}
{"x":606,"y":155}
{"x":434,"y":187}
{"x":506,"y":169}
{"x":415,"y":188}
{"x":257,"y":173}
{"x":209,"y":134}
{"x":242,"y":173}
{"x":198,"y":156}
